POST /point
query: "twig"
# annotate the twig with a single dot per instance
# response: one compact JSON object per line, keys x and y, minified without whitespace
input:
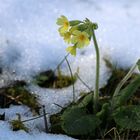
{"x":84,"y":83}
{"x":34,"y":118}
{"x":11,"y":98}
{"x":58,"y":105}
{"x":71,"y":77}
{"x":115,"y":132}
{"x":61,"y":62}
{"x":45,"y":119}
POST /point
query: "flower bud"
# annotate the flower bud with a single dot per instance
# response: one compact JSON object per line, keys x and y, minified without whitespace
{"x":95,"y":26}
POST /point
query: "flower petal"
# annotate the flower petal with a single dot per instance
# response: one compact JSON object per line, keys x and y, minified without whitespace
{"x":62,"y":30}
{"x":72,"y":50}
{"x":74,"y":40}
{"x":85,"y":34}
{"x":87,"y":42}
{"x":67,"y":37}
{"x":72,"y":29}
{"x":80,"y":45}
{"x":76,"y":32}
{"x":61,"y":20}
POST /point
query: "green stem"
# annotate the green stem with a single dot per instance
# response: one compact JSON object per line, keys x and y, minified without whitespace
{"x":124,"y":80}
{"x":96,"y":92}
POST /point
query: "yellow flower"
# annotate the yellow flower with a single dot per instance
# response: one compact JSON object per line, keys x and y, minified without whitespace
{"x":64,"y":23}
{"x":73,"y":29}
{"x":72,"y":50}
{"x":80,"y":39}
{"x":67,"y":37}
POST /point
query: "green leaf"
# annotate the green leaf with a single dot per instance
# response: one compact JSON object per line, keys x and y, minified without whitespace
{"x":75,"y":121}
{"x":85,"y":101}
{"x":128,"y":117}
{"x":138,"y":63}
{"x":74,"y":22}
{"x":105,"y":111}
{"x":126,"y":93}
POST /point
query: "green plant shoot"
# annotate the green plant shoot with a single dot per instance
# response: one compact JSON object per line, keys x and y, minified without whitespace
{"x":79,"y":34}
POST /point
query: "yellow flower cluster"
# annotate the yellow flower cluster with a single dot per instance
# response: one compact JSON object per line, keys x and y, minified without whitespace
{"x":71,"y":34}
{"x":64,"y":23}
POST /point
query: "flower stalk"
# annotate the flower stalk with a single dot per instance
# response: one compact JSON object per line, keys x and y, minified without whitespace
{"x":96,"y":92}
{"x":79,"y":34}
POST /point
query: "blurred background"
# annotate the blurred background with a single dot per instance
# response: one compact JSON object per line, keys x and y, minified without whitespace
{"x":29,"y":40}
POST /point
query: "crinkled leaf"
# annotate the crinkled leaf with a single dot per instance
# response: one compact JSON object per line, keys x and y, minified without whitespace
{"x":128,"y":117}
{"x":86,"y":100}
{"x":75,"y":121}
{"x":104,"y":111}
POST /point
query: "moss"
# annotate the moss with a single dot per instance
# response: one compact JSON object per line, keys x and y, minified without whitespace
{"x":55,"y":121}
{"x":18,"y":94}
{"x":49,"y":79}
{"x":22,"y":96}
{"x":18,"y":124}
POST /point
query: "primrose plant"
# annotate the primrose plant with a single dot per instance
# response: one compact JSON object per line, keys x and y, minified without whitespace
{"x":118,"y":110}
{"x":79,"y":34}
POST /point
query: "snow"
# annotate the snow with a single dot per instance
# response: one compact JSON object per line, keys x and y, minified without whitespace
{"x":34,"y":126}
{"x":30,"y":43}
{"x":63,"y":97}
{"x":32,"y":28}
{"x":7,"y":134}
